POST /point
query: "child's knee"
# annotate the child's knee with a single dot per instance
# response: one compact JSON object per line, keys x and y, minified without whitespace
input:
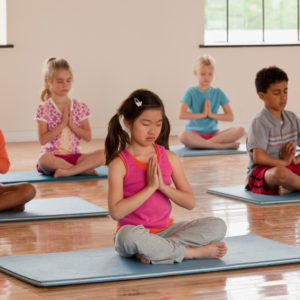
{"x":46,"y":159}
{"x":221,"y":228}
{"x":183,"y":137}
{"x":281,"y":174}
{"x":241,"y":131}
{"x":127,"y":237}
{"x":29,"y":191}
{"x":218,"y":228}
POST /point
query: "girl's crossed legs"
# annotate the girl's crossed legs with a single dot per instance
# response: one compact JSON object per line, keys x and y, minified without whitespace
{"x":226,"y":139}
{"x":182,"y":240}
{"x":83,"y":164}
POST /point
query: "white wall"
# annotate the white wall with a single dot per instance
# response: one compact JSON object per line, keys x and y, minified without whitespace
{"x":116,"y":46}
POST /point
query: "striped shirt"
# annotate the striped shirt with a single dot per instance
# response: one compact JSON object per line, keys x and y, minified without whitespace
{"x":270,"y":134}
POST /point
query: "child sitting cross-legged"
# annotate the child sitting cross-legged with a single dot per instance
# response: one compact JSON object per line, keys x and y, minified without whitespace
{"x":272,"y":138}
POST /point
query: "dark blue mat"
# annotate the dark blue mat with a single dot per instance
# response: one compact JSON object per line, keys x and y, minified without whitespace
{"x":34,"y":176}
{"x":181,"y":150}
{"x":54,"y":208}
{"x":239,"y":192}
{"x":102,"y":265}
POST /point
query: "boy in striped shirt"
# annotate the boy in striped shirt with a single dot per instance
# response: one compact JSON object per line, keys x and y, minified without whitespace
{"x":272,"y":138}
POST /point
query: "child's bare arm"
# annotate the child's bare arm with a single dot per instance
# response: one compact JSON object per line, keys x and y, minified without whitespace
{"x":297,"y":159}
{"x":182,"y":194}
{"x":226,"y":116}
{"x":120,"y":207}
{"x":262,"y":158}
{"x":46,"y":135}
{"x":84,"y":132}
{"x":185,"y":115}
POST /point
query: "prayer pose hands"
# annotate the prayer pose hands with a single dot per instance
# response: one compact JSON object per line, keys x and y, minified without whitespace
{"x":288,"y":153}
{"x":154,"y":176}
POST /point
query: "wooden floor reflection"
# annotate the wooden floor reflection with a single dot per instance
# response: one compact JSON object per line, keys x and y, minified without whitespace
{"x":280,"y":223}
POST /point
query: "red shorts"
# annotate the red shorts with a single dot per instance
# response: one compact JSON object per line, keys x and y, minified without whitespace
{"x":206,"y":136}
{"x":70,"y":158}
{"x":256,"y":180}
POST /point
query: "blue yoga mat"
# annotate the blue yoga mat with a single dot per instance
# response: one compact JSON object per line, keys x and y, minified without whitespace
{"x":34,"y":176}
{"x":54,"y":208}
{"x":101,"y":265}
{"x":239,"y":192}
{"x":181,"y":150}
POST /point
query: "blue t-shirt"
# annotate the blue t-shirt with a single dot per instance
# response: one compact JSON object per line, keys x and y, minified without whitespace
{"x":194,"y":98}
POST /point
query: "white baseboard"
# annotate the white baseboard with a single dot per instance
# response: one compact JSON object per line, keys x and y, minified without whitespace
{"x":20,"y":136}
{"x":31,"y":136}
{"x":98,"y":133}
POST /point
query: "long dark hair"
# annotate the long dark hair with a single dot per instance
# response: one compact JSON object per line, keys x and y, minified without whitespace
{"x":131,"y":108}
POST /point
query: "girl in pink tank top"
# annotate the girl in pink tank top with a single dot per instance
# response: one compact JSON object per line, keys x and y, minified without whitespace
{"x":141,"y":171}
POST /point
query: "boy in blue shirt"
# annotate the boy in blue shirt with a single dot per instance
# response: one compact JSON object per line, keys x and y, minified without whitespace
{"x":200,"y":105}
{"x":273,"y":136}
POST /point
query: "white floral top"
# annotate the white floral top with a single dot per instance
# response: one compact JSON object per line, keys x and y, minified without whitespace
{"x":67,"y":142}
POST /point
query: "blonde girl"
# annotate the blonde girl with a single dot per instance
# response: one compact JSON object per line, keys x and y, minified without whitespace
{"x":62,"y":123}
{"x":140,"y":197}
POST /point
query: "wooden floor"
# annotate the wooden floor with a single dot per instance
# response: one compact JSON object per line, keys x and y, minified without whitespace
{"x":280,"y":223}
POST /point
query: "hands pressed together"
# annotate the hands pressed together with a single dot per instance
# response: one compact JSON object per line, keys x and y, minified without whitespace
{"x":67,"y":118}
{"x":154,"y":177}
{"x":288,"y":153}
{"x":207,"y":108}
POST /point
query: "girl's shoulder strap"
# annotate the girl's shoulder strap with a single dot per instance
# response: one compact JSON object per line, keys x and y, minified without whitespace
{"x":162,"y":155}
{"x":124,"y":157}
{"x":159,"y":149}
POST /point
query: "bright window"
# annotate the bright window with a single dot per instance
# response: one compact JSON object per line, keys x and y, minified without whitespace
{"x":251,"y":22}
{"x":3,"y":36}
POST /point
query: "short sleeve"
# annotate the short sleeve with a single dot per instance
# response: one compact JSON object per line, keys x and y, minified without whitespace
{"x":257,"y":136}
{"x":298,"y":128}
{"x":223,"y":98}
{"x":40,"y":113}
{"x":187,"y":97}
{"x":85,"y":111}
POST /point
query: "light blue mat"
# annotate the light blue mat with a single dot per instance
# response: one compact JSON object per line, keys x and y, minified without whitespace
{"x":239,"y":192}
{"x":101,"y":265}
{"x":34,"y":176}
{"x":54,"y":208}
{"x":181,"y":150}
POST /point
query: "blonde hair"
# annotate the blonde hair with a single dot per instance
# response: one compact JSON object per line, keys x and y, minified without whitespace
{"x":52,"y":65}
{"x":204,"y":60}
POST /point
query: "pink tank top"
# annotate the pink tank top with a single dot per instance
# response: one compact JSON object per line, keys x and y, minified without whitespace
{"x":155,"y":211}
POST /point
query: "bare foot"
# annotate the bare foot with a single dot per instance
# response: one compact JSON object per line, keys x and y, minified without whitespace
{"x":221,"y":146}
{"x":62,"y":173}
{"x":282,"y":190}
{"x":142,"y":259}
{"x":90,"y":172}
{"x":235,"y":145}
{"x":232,"y":145}
{"x":71,"y":172}
{"x":213,"y":250}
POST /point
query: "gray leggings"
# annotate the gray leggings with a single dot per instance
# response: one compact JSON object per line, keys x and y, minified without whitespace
{"x":168,"y":246}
